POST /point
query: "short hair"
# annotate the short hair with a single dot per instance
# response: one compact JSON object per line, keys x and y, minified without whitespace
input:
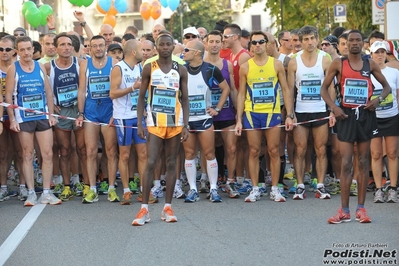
{"x":2,"y":34}
{"x":63,"y":34}
{"x":37,"y":47}
{"x":148,"y":36}
{"x":75,"y":42}
{"x":23,"y":39}
{"x":50,"y":34}
{"x":97,"y":37}
{"x":234,"y":29}
{"x":305,"y":30}
{"x":117,"y":39}
{"x":258,"y":32}
{"x":215,"y":33}
{"x":338,"y":31}
{"x":128,"y":36}
{"x":376,"y":34}
{"x":10,"y":38}
{"x":343,"y":36}
{"x":220,"y":24}
{"x":132,"y":29}
{"x":164,"y":33}
{"x":355,"y":31}
{"x":280,"y":35}
{"x":295,"y":31}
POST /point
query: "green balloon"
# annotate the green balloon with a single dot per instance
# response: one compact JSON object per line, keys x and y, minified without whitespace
{"x":46,"y":10}
{"x":27,"y":5}
{"x":34,"y":17}
{"x":74,"y":2}
{"x":87,"y":3}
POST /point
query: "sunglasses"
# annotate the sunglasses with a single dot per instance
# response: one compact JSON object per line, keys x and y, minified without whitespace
{"x":86,"y":45}
{"x":287,"y":40}
{"x":8,"y":49}
{"x":21,"y":34}
{"x":190,"y":37}
{"x":186,"y":50}
{"x":325,"y":44}
{"x":228,"y":35}
{"x":261,"y":41}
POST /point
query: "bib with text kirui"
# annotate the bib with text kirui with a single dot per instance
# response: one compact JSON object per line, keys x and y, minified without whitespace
{"x":164,"y":101}
{"x":34,"y":102}
{"x":263,"y":92}
{"x":99,"y":87}
{"x":356,"y":91}
{"x":310,"y":90}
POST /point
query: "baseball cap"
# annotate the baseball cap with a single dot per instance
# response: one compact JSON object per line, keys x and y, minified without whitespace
{"x":392,"y":47}
{"x":377,"y":45}
{"x":20,"y":29}
{"x":331,"y":39}
{"x":245,"y":33}
{"x":190,"y":30}
{"x":114,"y":46}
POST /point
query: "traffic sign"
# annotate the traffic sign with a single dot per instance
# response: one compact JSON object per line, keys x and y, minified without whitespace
{"x":340,"y":13}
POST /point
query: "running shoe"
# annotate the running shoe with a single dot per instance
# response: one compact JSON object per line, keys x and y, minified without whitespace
{"x":306,"y":178}
{"x":23,"y":193}
{"x":163,"y":185}
{"x":263,"y":191}
{"x":133,"y":186}
{"x":74,"y":179}
{"x":112,"y":196}
{"x":136,"y":179}
{"x":203,"y":186}
{"x":379,"y":196}
{"x":361,"y":216}
{"x":276,"y":195}
{"x":340,"y":217}
{"x":66,"y":194}
{"x":78,"y":189}
{"x":127,"y":198}
{"x":253,"y":196}
{"x":214,"y":196}
{"x":322,"y":193}
{"x":49,"y":198}
{"x":371,"y":185}
{"x":292,"y":190}
{"x":245,"y":188}
{"x":290,"y":173}
{"x":141,"y":218}
{"x":192,"y":196}
{"x":4,"y":195}
{"x":168,"y":215}
{"x":328,"y":180}
{"x":313,"y":184}
{"x":90,"y":197}
{"x":334,"y":189}
{"x":58,"y":189}
{"x":392,"y":196}
{"x":353,"y":189}
{"x":231,"y":189}
{"x":268,"y":178}
{"x":151,"y":199}
{"x":299,"y":194}
{"x":31,"y":200}
{"x":57,"y":179}
{"x":178,"y":193}
{"x":282,"y":191}
{"x":157,"y":191}
{"x":103,"y":189}
{"x":86,"y":189}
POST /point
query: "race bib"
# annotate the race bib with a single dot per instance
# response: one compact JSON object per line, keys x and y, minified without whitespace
{"x":197,"y":105}
{"x":263,"y":92}
{"x":164,"y":101}
{"x":34,"y":102}
{"x":386,"y":104}
{"x":99,"y":87}
{"x":310,"y":90}
{"x":356,"y":91}
{"x":67,"y":95}
{"x":215,"y":97}
{"x":134,"y":96}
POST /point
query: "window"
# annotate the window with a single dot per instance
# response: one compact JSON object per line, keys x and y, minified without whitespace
{"x":138,"y":23}
{"x":256,"y":22}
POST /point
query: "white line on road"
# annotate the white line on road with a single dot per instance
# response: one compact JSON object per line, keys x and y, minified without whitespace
{"x":19,"y":233}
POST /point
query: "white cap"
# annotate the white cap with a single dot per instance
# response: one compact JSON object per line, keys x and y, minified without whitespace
{"x":190,"y":30}
{"x":377,"y":45}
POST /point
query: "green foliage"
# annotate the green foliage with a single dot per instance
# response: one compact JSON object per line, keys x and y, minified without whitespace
{"x":298,"y":13}
{"x":203,"y":14}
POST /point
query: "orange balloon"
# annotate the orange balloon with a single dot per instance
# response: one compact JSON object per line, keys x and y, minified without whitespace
{"x":109,"y":19}
{"x":145,"y":10}
{"x":156,"y":12}
{"x":156,"y":4}
{"x":99,"y":9}
{"x":112,"y":10}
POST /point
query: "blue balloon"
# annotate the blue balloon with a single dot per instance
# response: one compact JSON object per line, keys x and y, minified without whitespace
{"x":164,"y":3}
{"x":173,"y":4}
{"x":105,"y":4}
{"x":120,"y":5}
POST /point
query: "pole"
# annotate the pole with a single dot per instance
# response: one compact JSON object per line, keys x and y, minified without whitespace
{"x":281,"y":15}
{"x":181,"y":22}
{"x":2,"y":11}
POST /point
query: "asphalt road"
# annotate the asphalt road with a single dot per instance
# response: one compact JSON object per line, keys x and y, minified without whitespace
{"x":229,"y":233}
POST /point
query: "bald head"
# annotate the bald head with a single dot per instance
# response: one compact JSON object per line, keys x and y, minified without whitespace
{"x":130,"y":45}
{"x":197,"y":45}
{"x":156,"y":29}
{"x":270,"y":37}
{"x":107,"y":32}
{"x":133,"y":51}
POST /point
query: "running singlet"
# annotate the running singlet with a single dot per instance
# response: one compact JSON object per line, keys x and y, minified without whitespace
{"x":388,"y":107}
{"x":65,"y":83}
{"x":236,"y":67}
{"x":3,"y":90}
{"x":98,"y":81}
{"x":356,"y":87}
{"x":125,"y":107}
{"x":29,"y":92}
{"x":308,"y":82}
{"x":227,"y":112}
{"x":262,"y":88}
{"x":164,"y":107}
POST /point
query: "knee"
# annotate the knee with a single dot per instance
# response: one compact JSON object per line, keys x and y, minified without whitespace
{"x":273,"y":151}
{"x":65,"y":152}
{"x":392,"y":154}
{"x":254,"y":151}
{"x":321,"y":151}
{"x":376,"y":155}
{"x":300,"y":151}
{"x":124,"y":158}
{"x":231,"y":150}
{"x":47,"y":155}
{"x":151,"y":163}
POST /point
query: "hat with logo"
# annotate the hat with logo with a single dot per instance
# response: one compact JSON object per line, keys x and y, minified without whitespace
{"x":377,"y":45}
{"x":190,"y":30}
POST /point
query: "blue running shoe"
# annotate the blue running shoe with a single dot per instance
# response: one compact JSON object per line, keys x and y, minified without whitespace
{"x":245,"y":188}
{"x":282,"y":192}
{"x":214,"y":196}
{"x":292,"y":190}
{"x":193,"y":196}
{"x":263,"y":191}
{"x":313,"y":184}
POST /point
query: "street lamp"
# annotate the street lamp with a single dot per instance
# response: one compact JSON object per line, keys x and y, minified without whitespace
{"x":183,"y":8}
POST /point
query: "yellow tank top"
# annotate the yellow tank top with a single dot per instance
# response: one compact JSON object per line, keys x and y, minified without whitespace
{"x":262,"y":95}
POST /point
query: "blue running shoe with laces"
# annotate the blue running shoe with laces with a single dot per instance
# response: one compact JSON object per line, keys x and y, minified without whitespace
{"x":214,"y":196}
{"x":193,"y":196}
{"x":245,"y":188}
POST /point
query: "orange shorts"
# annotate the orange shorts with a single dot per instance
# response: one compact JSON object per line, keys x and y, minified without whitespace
{"x":165,"y":132}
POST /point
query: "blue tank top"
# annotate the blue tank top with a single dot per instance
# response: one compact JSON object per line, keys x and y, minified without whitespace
{"x":3,"y":90}
{"x":65,"y":83}
{"x":227,"y":112}
{"x":30,"y":93}
{"x":98,"y":82}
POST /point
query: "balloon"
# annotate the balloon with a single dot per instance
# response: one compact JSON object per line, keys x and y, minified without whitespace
{"x":156,"y":12}
{"x":110,"y":20}
{"x":164,"y":3}
{"x":120,"y":5}
{"x":112,"y":11}
{"x":155,"y":4}
{"x":173,"y":4}
{"x":46,"y":10}
{"x":87,"y":3}
{"x":34,"y":17}
{"x":27,"y":5}
{"x":99,"y":9}
{"x":105,"y":4}
{"x":43,"y":20}
{"x":145,"y":10}
{"x":74,"y":2}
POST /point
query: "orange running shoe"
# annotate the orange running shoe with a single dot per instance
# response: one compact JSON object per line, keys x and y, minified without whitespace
{"x":142,"y":217}
{"x":361,"y":216}
{"x":127,"y":198}
{"x":340,"y":217}
{"x":168,"y":215}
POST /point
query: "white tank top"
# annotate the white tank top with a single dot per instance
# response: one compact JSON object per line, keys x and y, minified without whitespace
{"x":199,"y":96}
{"x":125,"y":107}
{"x":389,"y":107}
{"x":308,"y":81}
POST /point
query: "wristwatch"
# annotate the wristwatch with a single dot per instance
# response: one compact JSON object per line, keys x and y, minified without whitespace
{"x":292,"y":116}
{"x":83,"y":24}
{"x":380,"y":99}
{"x":187,"y":127}
{"x":81,"y":114}
{"x":1,"y":119}
{"x":217,"y":109}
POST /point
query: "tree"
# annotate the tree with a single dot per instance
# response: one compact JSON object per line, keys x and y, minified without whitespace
{"x":319,"y":13}
{"x":202,"y":14}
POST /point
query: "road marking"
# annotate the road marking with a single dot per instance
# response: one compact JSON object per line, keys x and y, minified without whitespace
{"x":19,"y":233}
